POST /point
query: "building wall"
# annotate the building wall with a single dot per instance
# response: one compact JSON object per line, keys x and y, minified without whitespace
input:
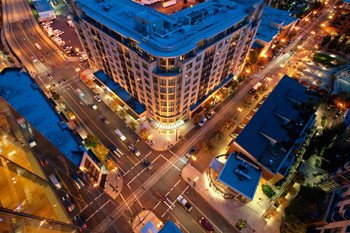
{"x":167,"y":86}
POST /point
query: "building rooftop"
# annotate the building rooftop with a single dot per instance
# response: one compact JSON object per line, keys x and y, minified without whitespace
{"x":170,"y":227}
{"x":25,"y":95}
{"x":167,"y":35}
{"x":42,"y":6}
{"x":278,"y":123}
{"x":241,"y":174}
{"x":272,"y":20}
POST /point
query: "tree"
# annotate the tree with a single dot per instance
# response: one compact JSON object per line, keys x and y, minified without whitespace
{"x":253,"y":57}
{"x":326,"y":40}
{"x":267,"y":190}
{"x":115,"y":103}
{"x":55,"y":96}
{"x":291,"y":224}
{"x":218,"y":135}
{"x":208,"y":146}
{"x":89,"y":82}
{"x":196,"y":118}
{"x":299,"y":177}
{"x":207,"y":108}
{"x":110,"y":165}
{"x":144,"y":134}
{"x":91,"y":140}
{"x":241,"y":224}
{"x":133,"y":124}
{"x":122,"y":114}
{"x":101,"y":152}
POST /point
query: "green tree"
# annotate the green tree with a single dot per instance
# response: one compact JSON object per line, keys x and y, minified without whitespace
{"x":91,"y":140}
{"x":56,"y":96}
{"x":110,"y":165}
{"x":253,"y":57}
{"x":207,"y":108}
{"x":241,"y":224}
{"x":101,"y":152}
{"x":267,"y":190}
{"x":122,"y":114}
{"x":133,"y":124}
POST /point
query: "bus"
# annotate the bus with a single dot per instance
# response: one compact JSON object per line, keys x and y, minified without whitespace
{"x":37,"y":46}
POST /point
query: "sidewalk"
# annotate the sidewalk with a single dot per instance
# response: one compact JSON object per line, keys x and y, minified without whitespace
{"x":114,"y":184}
{"x":146,"y":221}
{"x":230,"y":208}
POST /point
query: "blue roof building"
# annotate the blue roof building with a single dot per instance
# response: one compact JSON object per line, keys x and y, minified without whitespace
{"x":278,"y":128}
{"x":172,"y":63}
{"x":170,"y":227}
{"x":26,"y":97}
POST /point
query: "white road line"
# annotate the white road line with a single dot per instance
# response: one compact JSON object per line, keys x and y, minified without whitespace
{"x":136,"y":164}
{"x":135,"y":177}
{"x":201,"y":213}
{"x":156,"y":158}
{"x":181,"y":159}
{"x":138,"y":200}
{"x":173,"y":164}
{"x":126,"y":172}
{"x":97,"y":210}
{"x":98,"y":196}
{"x":126,"y":203}
{"x":177,"y":221}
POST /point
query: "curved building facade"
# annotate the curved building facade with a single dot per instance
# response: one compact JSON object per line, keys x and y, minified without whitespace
{"x":170,"y":63}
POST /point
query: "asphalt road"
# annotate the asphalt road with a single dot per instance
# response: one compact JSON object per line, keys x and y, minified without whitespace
{"x":140,"y":184}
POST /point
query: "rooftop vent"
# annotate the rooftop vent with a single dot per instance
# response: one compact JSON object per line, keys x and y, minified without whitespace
{"x":106,"y":7}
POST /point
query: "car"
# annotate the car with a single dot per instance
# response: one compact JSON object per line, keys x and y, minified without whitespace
{"x":116,"y":151}
{"x":80,"y":222}
{"x":21,"y":20}
{"x":80,"y":92}
{"x":55,"y":181}
{"x":71,"y":115}
{"x":94,"y":106}
{"x":43,"y":161}
{"x":122,"y":137}
{"x":105,"y":120}
{"x":280,"y":50}
{"x":206,"y":224}
{"x":98,"y":99}
{"x":184,"y":203}
{"x":211,"y":114}
{"x":191,"y":152}
{"x":252,"y":91}
{"x":34,"y":59}
{"x":70,"y":205}
{"x":203,"y":121}
{"x":147,"y":164}
{"x":134,"y":150}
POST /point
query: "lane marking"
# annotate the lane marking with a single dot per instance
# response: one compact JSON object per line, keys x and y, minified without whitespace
{"x":128,"y":184}
{"x":126,"y":203}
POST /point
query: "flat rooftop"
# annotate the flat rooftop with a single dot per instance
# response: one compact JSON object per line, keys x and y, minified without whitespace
{"x":167,"y":35}
{"x":26,"y":97}
{"x":168,"y":7}
{"x":241,"y":174}
{"x":170,"y":227}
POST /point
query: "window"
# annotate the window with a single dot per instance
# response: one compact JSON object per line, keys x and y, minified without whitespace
{"x":171,"y":90}
{"x":195,"y":81}
{"x":162,"y":82}
{"x":163,"y":61}
{"x":198,"y":66}
{"x":171,"y":82}
{"x":155,"y":80}
{"x":198,"y":59}
{"x":162,"y":90}
{"x":137,"y":66}
{"x":138,"y":73}
{"x":196,"y":74}
{"x":188,"y":74}
{"x":189,"y":66}
{"x":188,"y":82}
{"x":171,"y":61}
{"x":136,"y":58}
{"x":145,"y":74}
{"x":147,"y":82}
{"x":219,"y":46}
{"x":145,"y":66}
{"x":185,"y":96}
{"x":187,"y":88}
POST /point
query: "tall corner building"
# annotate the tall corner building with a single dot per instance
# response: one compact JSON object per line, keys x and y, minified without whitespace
{"x":171,"y":63}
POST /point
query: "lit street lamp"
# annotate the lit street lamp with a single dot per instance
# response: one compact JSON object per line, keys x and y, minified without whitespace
{"x":238,"y":111}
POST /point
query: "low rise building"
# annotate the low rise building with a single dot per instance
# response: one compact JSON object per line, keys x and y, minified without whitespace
{"x":333,"y":214}
{"x":44,"y":10}
{"x":336,"y":179}
{"x":276,"y":128}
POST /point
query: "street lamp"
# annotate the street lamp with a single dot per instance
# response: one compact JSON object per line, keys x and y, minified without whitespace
{"x":77,"y":69}
{"x":169,"y":140}
{"x":238,"y":111}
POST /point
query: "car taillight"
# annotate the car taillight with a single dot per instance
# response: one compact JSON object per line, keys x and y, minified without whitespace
{"x":85,"y":225}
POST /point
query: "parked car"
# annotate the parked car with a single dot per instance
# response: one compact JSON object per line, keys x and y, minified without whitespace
{"x":98,"y":99}
{"x":191,"y":152}
{"x":116,"y":151}
{"x":105,"y":120}
{"x":68,"y":201}
{"x":184,"y":203}
{"x":134,"y":150}
{"x":80,"y":223}
{"x":80,"y":92}
{"x":122,"y":137}
{"x":211,"y":114}
{"x":203,"y":121}
{"x":206,"y":224}
{"x":54,"y":181}
{"x":147,"y":164}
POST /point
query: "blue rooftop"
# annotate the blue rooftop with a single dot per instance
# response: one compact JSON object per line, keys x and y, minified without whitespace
{"x":120,"y":92}
{"x":241,"y":174}
{"x":272,"y":20}
{"x":273,"y":129}
{"x":170,"y":227}
{"x":42,"y":6}
{"x":24,"y":95}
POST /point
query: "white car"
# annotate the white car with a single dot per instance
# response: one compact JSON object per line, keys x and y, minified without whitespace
{"x":122,"y":137}
{"x":34,"y":59}
{"x":94,"y":106}
{"x":203,"y":121}
{"x":134,"y":150}
{"x":211,"y":114}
